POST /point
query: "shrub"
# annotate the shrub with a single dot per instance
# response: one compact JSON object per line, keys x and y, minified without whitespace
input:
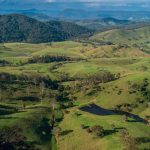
{"x":97,"y":130}
{"x":88,"y":130}
{"x":128,"y":141}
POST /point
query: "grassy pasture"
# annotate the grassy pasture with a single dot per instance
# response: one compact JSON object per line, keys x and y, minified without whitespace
{"x":85,"y":140}
{"x":131,"y":63}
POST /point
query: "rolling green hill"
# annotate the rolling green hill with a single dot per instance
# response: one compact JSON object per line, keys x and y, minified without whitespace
{"x":133,"y":37}
{"x":19,"y":28}
{"x":42,"y":95}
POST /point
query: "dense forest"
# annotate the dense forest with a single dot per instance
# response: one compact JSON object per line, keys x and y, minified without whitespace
{"x":19,"y":28}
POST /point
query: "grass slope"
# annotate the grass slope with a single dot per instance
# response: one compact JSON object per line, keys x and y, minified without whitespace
{"x":139,"y":37}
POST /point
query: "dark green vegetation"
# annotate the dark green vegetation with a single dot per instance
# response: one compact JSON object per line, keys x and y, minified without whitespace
{"x":19,"y":28}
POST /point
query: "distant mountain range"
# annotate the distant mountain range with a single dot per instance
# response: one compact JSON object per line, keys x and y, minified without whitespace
{"x":103,"y":24}
{"x":80,"y":14}
{"x":20,"y":28}
{"x":75,"y":10}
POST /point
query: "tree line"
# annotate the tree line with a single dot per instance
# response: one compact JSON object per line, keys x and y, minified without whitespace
{"x":34,"y":79}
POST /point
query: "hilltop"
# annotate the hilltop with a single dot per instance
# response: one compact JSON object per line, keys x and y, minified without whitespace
{"x":131,"y":36}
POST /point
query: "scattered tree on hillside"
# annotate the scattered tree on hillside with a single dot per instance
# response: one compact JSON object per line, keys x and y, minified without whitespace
{"x":128,"y":141}
{"x":11,"y":138}
{"x":124,"y":109}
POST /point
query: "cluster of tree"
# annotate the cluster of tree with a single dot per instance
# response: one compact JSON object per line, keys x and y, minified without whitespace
{"x":34,"y":79}
{"x":64,"y":77}
{"x":48,"y":59}
{"x":91,"y":82}
{"x":63,"y":95}
{"x":4,"y":63}
{"x":95,"y":43}
{"x":97,"y":130}
{"x":19,"y":28}
{"x":124,"y":109}
{"x":11,"y":138}
{"x":7,"y":77}
{"x":129,"y":142}
{"x":5,"y":110}
{"x":102,"y":77}
{"x":143,"y":88}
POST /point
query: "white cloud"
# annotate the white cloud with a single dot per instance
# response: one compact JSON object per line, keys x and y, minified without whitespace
{"x":103,"y":1}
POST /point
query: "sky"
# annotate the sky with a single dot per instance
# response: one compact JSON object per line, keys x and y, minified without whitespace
{"x":117,"y":4}
{"x":143,"y":4}
{"x":92,"y":1}
{"x":103,"y":1}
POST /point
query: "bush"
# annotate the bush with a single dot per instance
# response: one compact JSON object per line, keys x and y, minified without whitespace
{"x":88,"y":130}
{"x":129,"y":141}
{"x":97,"y":130}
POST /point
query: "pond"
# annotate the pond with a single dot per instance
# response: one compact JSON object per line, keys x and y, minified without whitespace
{"x":97,"y":110}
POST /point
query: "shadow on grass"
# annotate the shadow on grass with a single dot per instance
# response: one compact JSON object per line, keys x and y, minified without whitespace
{"x":119,"y":128}
{"x":133,"y":120}
{"x":141,"y":140}
{"x":5,"y":117}
{"x":66,"y":132}
{"x":109,"y":132}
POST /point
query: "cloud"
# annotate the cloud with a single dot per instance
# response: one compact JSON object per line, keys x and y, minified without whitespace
{"x":103,"y":1}
{"x":97,"y":3}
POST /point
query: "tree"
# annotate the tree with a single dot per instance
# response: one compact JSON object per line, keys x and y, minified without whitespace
{"x":42,"y":90}
{"x":11,"y":138}
{"x":118,"y":75}
{"x":113,"y":126}
{"x":125,"y":109}
{"x":147,"y":120}
{"x":97,"y":130}
{"x":0,"y":94}
{"x":129,"y":141}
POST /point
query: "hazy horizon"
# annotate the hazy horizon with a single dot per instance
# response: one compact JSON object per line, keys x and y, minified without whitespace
{"x":134,"y":5}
